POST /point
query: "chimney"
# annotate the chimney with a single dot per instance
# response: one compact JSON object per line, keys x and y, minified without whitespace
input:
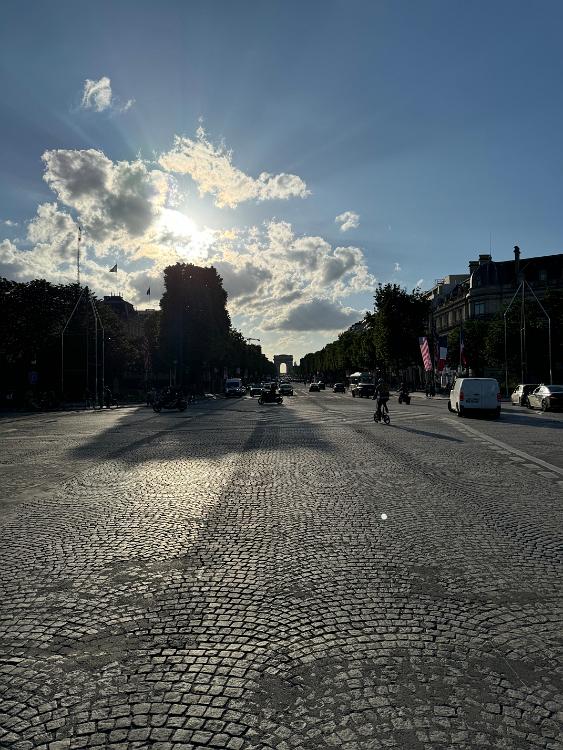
{"x":516,"y":260}
{"x":485,"y":259}
{"x":473,"y":266}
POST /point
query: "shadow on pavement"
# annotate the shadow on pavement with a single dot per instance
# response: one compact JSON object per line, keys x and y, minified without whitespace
{"x":170,"y":440}
{"x":519,"y":418}
{"x":428,"y":434}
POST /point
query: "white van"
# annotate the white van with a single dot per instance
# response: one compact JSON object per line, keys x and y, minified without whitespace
{"x":475,"y":394}
{"x":234,"y":388}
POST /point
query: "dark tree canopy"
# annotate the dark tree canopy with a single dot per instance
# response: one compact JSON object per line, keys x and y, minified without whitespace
{"x":196,"y":336}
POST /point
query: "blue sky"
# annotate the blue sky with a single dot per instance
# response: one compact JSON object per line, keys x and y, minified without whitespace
{"x":437,"y":123}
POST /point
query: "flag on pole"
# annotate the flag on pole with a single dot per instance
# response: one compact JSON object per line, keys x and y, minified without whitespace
{"x":462,"y":355}
{"x":442,"y":352}
{"x":425,"y":351}
{"x":149,"y":291}
{"x":114,"y":269}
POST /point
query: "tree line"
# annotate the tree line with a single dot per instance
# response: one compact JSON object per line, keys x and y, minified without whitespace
{"x":387,"y":341}
{"x":190,"y":341}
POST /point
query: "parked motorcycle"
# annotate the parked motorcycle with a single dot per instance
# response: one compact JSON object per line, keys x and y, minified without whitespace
{"x":404,"y":397}
{"x":177,"y":402}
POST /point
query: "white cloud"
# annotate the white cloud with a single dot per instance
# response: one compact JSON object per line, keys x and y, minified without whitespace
{"x":115,"y":202}
{"x":348,"y":220}
{"x":276,"y":279}
{"x":97,"y":95}
{"x":419,"y":284}
{"x":397,"y":267}
{"x":212,"y":170}
{"x":10,"y":223}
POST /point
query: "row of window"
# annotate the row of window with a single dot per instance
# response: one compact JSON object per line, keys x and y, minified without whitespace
{"x":449,"y":318}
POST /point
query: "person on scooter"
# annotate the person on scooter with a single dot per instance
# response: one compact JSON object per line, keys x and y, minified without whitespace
{"x":381,"y":395}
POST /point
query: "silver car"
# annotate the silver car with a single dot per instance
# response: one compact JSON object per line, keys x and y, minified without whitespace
{"x":546,"y":397}
{"x":520,"y":394}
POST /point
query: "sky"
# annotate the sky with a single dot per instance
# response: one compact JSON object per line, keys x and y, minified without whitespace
{"x":308,"y":149}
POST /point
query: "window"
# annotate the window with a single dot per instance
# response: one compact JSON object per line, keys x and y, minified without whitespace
{"x":479,"y":308}
{"x":542,"y":275}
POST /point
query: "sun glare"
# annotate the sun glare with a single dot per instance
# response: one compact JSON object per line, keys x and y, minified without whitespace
{"x":183,"y":234}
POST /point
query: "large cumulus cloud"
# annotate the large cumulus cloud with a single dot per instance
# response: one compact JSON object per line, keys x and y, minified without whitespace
{"x":278,"y":280}
{"x":114,"y":201}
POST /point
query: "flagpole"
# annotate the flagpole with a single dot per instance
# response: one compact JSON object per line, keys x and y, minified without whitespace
{"x":78,"y":255}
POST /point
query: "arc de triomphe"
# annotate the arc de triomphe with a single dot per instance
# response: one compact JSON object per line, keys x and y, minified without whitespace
{"x":286,"y":359}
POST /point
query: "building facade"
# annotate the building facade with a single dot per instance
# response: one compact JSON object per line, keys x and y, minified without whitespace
{"x":489,"y":287}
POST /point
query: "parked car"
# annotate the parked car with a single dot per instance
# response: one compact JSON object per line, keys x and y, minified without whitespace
{"x":339,"y":388}
{"x":255,"y":390}
{"x":521,"y":392}
{"x":546,"y":398}
{"x":286,"y":389}
{"x":314,"y":387}
{"x":321,"y":385}
{"x":476,"y":395}
{"x":234,"y":388}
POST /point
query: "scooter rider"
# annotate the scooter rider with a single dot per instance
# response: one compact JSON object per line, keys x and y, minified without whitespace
{"x":381,"y":395}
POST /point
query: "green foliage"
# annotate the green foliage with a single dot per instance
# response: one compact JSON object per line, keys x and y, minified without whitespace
{"x":387,"y":338}
{"x":536,"y":359}
{"x":32,"y":318}
{"x":399,"y":319}
{"x":196,"y":336}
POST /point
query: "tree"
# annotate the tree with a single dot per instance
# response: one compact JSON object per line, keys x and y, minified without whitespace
{"x":399,"y":319}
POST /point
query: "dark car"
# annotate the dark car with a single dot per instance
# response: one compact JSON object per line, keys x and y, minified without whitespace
{"x":286,"y":389}
{"x":546,"y":398}
{"x":521,"y":392}
{"x":321,"y":385}
{"x":339,"y":388}
{"x":255,"y":390}
{"x":314,"y":387}
{"x":365,"y":390}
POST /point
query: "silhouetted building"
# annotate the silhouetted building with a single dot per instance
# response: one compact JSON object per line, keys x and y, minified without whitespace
{"x":489,"y":287}
{"x":133,"y":320}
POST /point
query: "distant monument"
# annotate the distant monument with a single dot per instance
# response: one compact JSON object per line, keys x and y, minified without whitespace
{"x":286,"y":359}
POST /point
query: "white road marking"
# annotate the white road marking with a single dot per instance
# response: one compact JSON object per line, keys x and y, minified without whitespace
{"x":515,"y":451}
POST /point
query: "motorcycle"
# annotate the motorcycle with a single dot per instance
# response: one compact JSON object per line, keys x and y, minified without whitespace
{"x":267,"y":397}
{"x":404,"y":397}
{"x":177,"y":402}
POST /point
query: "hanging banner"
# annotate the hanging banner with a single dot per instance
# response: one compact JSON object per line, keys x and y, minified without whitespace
{"x":442,"y":352}
{"x":425,"y":351}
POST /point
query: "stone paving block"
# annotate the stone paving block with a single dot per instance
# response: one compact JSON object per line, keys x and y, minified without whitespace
{"x":231,"y":584}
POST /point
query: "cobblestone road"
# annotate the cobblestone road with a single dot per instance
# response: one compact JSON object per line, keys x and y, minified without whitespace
{"x":289,"y":576}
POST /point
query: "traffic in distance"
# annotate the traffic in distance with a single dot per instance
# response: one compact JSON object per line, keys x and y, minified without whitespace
{"x":467,"y":395}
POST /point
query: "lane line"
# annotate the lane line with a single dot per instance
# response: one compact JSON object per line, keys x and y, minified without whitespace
{"x":505,"y":446}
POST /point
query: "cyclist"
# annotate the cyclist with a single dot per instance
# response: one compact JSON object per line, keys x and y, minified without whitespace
{"x":381,"y":395}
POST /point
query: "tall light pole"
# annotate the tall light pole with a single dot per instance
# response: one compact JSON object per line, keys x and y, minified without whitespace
{"x":78,"y":255}
{"x":521,"y":289}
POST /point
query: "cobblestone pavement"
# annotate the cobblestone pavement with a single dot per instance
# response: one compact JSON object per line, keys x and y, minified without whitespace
{"x":290,"y":576}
